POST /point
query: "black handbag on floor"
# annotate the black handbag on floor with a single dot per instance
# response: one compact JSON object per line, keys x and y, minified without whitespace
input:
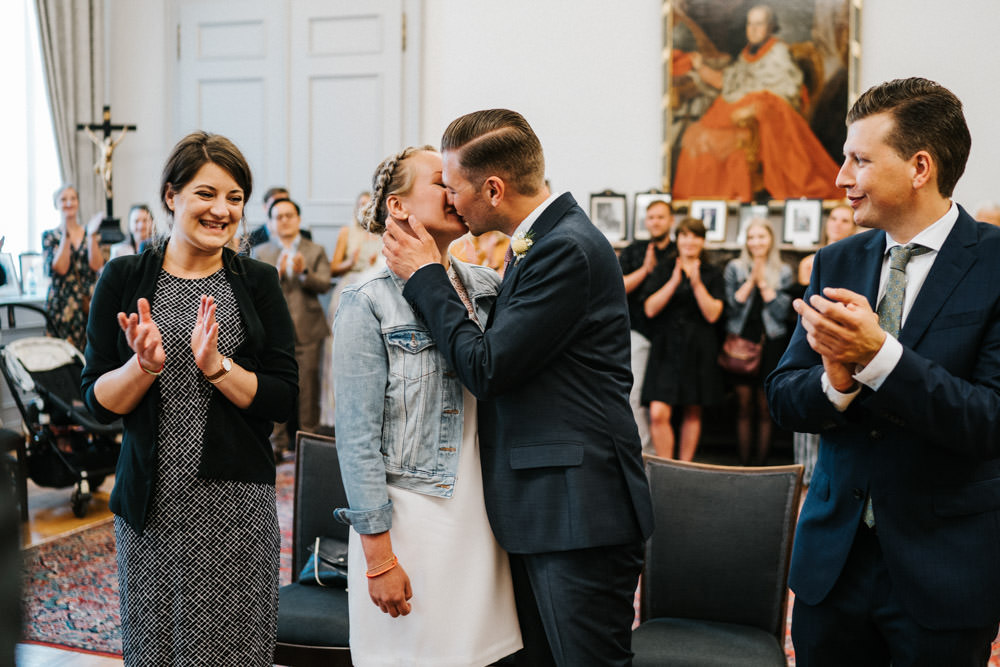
{"x":327,"y":566}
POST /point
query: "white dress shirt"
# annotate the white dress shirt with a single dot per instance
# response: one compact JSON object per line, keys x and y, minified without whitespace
{"x":885,"y":360}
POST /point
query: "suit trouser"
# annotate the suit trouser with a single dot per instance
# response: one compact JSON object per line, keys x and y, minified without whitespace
{"x":307,"y":356}
{"x":640,"y":357}
{"x":862,"y":623}
{"x":576,"y":607}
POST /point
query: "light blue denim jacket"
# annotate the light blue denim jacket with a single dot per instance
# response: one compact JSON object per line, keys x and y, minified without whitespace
{"x":398,"y":404}
{"x":775,"y":314}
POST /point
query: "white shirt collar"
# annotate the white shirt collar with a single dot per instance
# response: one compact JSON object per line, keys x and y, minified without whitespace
{"x":934,"y":235}
{"x":526,"y":224}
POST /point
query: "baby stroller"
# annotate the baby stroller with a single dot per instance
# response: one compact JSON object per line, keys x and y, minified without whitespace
{"x":66,"y":445}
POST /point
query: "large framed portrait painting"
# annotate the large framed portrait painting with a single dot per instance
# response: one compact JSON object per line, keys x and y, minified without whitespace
{"x":757,"y":97}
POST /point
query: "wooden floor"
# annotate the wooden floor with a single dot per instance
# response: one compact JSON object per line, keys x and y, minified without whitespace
{"x":50,"y":516}
{"x":32,"y":655}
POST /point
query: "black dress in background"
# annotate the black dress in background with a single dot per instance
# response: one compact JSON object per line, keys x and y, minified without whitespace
{"x":683,"y":367}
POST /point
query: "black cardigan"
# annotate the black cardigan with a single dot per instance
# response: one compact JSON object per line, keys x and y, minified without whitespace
{"x":235,"y":445}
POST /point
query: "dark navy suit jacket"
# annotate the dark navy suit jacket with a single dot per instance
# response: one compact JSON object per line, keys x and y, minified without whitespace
{"x":562,"y":463}
{"x":925,"y":445}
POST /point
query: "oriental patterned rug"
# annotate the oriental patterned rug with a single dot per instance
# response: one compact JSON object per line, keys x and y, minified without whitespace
{"x":70,"y":587}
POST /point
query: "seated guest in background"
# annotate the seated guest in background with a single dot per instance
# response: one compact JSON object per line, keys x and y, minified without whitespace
{"x":487,"y":249}
{"x":757,"y":298}
{"x":683,"y":299}
{"x":638,"y":261}
{"x":357,"y":251}
{"x":304,"y":272}
{"x":140,"y":232}
{"x":896,"y":363}
{"x":989,"y":212}
{"x":271,"y":195}
{"x":839,"y":225}
{"x":72,"y":258}
{"x":407,"y":433}
{"x":191,"y":345}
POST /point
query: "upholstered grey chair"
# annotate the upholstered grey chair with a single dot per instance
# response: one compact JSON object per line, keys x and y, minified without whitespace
{"x":312,"y":620}
{"x":714,"y":589}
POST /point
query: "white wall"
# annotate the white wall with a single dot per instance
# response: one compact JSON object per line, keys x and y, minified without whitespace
{"x":140,"y":95}
{"x":945,"y":42}
{"x":586,"y":75}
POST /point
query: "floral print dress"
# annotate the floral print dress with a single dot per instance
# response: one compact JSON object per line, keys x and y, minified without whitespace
{"x":68,"y":300}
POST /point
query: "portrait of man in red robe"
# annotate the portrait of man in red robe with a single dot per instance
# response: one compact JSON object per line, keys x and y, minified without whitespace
{"x":764,"y":120}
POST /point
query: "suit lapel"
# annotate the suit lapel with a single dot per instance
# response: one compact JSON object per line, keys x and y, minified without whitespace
{"x":870,"y":268}
{"x":542,"y":226}
{"x":950,"y":265}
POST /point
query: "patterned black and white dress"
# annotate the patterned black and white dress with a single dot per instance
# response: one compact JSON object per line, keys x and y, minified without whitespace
{"x":199,"y":586}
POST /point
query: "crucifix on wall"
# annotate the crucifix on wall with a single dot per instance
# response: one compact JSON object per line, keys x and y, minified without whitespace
{"x":110,"y":228}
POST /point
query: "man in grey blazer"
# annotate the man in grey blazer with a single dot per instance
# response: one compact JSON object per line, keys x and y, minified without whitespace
{"x":563,"y":480}
{"x":304,"y":272}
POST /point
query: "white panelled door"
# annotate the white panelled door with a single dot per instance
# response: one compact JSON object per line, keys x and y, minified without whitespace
{"x":310,"y":90}
{"x":345,"y":87}
{"x":231,"y":81}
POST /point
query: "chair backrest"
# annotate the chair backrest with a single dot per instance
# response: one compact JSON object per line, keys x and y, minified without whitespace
{"x":318,"y":491}
{"x":722,"y":543}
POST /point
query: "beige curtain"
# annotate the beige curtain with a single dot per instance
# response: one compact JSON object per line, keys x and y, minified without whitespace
{"x":71,"y":34}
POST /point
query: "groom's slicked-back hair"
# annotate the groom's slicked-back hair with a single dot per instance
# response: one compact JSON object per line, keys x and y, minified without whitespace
{"x":497,"y":142}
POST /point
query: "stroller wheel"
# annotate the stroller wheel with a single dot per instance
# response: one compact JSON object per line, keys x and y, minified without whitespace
{"x":79,"y":502}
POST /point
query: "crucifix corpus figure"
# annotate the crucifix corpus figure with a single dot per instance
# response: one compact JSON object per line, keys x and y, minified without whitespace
{"x":103,"y":165}
{"x":100,"y":134}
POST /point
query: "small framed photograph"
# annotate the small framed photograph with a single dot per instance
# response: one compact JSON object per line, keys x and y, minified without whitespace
{"x":803,"y":222}
{"x":712,"y":212}
{"x":747,"y":213}
{"x":34,"y":282}
{"x":608,"y":213}
{"x":9,"y":283}
{"x":642,"y":201}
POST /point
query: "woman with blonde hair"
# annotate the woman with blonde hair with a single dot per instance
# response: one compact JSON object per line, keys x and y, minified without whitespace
{"x":407,"y":434}
{"x":73,"y":257}
{"x":758,"y":302}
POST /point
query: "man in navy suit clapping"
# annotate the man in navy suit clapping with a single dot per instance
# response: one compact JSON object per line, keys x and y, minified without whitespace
{"x":896,"y":364}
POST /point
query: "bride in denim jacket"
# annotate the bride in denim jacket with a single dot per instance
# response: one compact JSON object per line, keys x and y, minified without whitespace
{"x":428,"y":584}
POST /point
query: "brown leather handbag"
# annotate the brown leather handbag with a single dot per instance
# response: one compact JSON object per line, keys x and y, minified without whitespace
{"x":740,"y":356}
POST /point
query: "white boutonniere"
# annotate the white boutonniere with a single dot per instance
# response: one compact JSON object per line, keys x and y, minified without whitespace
{"x":521,"y":244}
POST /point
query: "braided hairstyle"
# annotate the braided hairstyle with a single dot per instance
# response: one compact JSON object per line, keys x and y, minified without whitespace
{"x":392,"y":177}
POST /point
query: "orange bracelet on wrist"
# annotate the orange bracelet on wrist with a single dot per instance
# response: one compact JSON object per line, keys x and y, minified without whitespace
{"x":146,"y":370}
{"x":382,"y":568}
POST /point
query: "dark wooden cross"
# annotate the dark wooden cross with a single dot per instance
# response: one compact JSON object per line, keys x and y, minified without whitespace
{"x":110,"y":228}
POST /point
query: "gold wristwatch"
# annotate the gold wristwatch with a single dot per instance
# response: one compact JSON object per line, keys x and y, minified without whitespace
{"x":227,"y":365}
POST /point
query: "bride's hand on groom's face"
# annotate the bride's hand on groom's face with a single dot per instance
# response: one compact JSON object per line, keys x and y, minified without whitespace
{"x":406,"y":250}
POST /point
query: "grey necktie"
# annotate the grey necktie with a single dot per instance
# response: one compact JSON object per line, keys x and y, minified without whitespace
{"x":890,"y":309}
{"x":508,"y":257}
{"x":890,"y":313}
